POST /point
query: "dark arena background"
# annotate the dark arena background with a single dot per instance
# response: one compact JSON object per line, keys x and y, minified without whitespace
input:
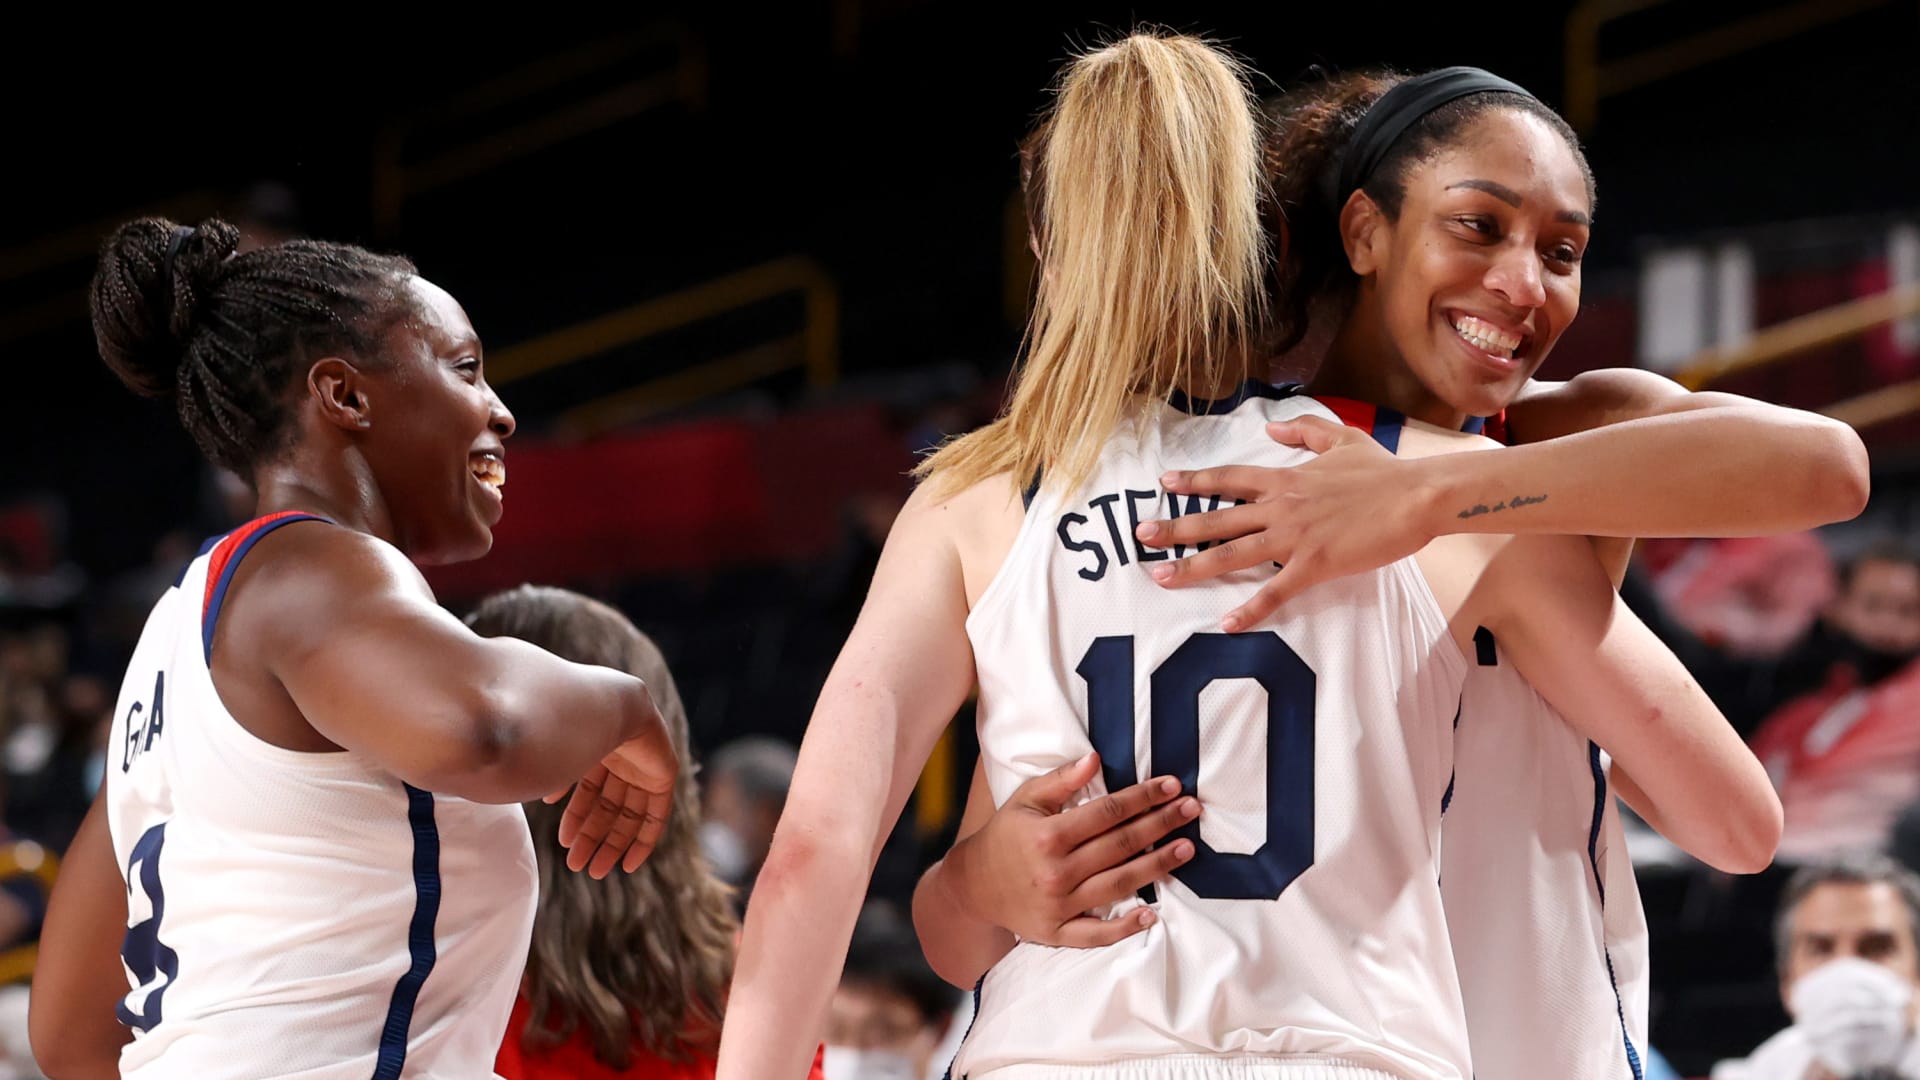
{"x":736,"y":265}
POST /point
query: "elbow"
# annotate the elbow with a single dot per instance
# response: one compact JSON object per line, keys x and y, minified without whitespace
{"x":806,"y":857}
{"x":934,"y":927}
{"x":478,"y":758}
{"x":1843,"y":474}
{"x":1750,"y":838}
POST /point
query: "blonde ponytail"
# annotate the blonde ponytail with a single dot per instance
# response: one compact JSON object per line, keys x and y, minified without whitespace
{"x":1148,"y":175}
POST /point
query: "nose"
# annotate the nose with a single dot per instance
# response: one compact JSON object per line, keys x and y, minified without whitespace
{"x":1515,"y":275}
{"x":499,"y":418}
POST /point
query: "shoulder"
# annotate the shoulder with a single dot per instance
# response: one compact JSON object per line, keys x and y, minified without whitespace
{"x":1591,"y":399}
{"x":304,"y":582}
{"x":326,"y":564}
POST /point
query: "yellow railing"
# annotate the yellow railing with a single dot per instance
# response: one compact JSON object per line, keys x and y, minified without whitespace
{"x":1589,"y":80}
{"x":1828,"y":326}
{"x":815,"y":348}
{"x":1878,"y":406}
{"x":397,"y":179}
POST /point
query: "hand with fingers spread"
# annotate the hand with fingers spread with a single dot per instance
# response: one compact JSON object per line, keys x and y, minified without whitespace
{"x":1353,"y":508}
{"x":1037,"y":870}
{"x":620,"y":807}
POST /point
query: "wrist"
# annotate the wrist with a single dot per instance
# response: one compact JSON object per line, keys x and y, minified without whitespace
{"x":638,"y":716}
{"x":947,"y":880}
{"x":1433,"y":491}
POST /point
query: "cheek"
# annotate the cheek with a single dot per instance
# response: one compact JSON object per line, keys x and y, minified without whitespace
{"x":1563,"y":300}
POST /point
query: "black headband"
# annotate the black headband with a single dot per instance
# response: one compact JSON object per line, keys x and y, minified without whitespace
{"x":1402,"y":107}
{"x":180,"y":235}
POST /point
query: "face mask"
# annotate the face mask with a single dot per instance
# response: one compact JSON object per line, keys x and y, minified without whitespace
{"x":847,"y":1063}
{"x":1853,"y":1013}
{"x":724,"y":852}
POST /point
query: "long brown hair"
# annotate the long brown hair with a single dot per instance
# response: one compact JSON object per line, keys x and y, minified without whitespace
{"x":637,"y":958}
{"x":1151,"y":248}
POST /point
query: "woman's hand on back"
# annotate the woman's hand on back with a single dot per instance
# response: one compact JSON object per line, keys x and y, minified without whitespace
{"x":1037,"y":870}
{"x":1354,"y":508}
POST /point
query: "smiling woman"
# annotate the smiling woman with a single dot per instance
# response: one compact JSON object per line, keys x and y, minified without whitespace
{"x":322,"y":867}
{"x":1454,"y":245}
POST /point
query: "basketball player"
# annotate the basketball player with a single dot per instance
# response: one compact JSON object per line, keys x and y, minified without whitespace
{"x":1304,"y":938}
{"x":1537,"y":878}
{"x":312,"y":791}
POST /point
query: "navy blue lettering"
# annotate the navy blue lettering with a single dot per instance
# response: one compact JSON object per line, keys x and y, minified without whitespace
{"x":132,"y":747}
{"x":1105,"y":503}
{"x":152,"y":963}
{"x":1174,"y":732}
{"x":1066,"y":538}
{"x":154,"y":720}
{"x":141,"y":733}
{"x":1108,"y":669}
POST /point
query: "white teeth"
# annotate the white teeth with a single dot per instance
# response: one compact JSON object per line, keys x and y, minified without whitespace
{"x":489,"y":470}
{"x":1486,"y":336}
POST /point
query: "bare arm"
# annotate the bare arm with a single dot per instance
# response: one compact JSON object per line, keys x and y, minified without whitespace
{"x":1555,"y":613}
{"x":1620,"y":453}
{"x":376,"y":666}
{"x":959,"y":947}
{"x":1629,"y":453}
{"x":78,"y":977}
{"x":902,"y":674}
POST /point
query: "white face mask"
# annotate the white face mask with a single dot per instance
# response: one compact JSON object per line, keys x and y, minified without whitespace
{"x":1853,"y":1013}
{"x":847,"y":1063}
{"x":724,"y":851}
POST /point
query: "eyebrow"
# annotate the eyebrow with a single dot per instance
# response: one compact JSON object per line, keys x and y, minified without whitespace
{"x":1512,"y":198}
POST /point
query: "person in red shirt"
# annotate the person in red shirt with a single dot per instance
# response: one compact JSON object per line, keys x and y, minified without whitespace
{"x":627,"y":976}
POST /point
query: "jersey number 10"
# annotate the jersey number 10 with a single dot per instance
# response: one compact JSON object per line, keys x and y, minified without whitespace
{"x":1174,"y":734}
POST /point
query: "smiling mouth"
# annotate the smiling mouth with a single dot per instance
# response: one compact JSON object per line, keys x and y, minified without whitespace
{"x":1485,"y":336}
{"x":490,"y":470}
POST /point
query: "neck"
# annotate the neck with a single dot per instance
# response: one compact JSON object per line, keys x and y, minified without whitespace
{"x":1225,"y":382}
{"x":342,"y":491}
{"x":1362,"y":363}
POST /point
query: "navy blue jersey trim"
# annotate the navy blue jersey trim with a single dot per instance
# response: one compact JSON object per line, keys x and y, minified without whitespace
{"x":1600,"y":888}
{"x":1252,"y":388}
{"x":420,"y":947}
{"x":211,"y":615}
{"x":974,"y":1019}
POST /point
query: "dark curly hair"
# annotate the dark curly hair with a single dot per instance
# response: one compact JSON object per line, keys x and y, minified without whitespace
{"x":178,"y":315}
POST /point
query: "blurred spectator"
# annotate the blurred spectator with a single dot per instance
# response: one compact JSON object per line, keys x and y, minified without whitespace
{"x":50,"y":724}
{"x":1866,"y":632}
{"x":1845,"y":755}
{"x":626,"y":976}
{"x":1845,"y":948}
{"x":891,"y":1012}
{"x":747,"y":783}
{"x":1750,"y":595}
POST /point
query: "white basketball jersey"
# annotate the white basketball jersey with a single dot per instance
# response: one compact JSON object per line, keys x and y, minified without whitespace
{"x":294,"y":914}
{"x":1541,"y":901}
{"x":1306,"y":933}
